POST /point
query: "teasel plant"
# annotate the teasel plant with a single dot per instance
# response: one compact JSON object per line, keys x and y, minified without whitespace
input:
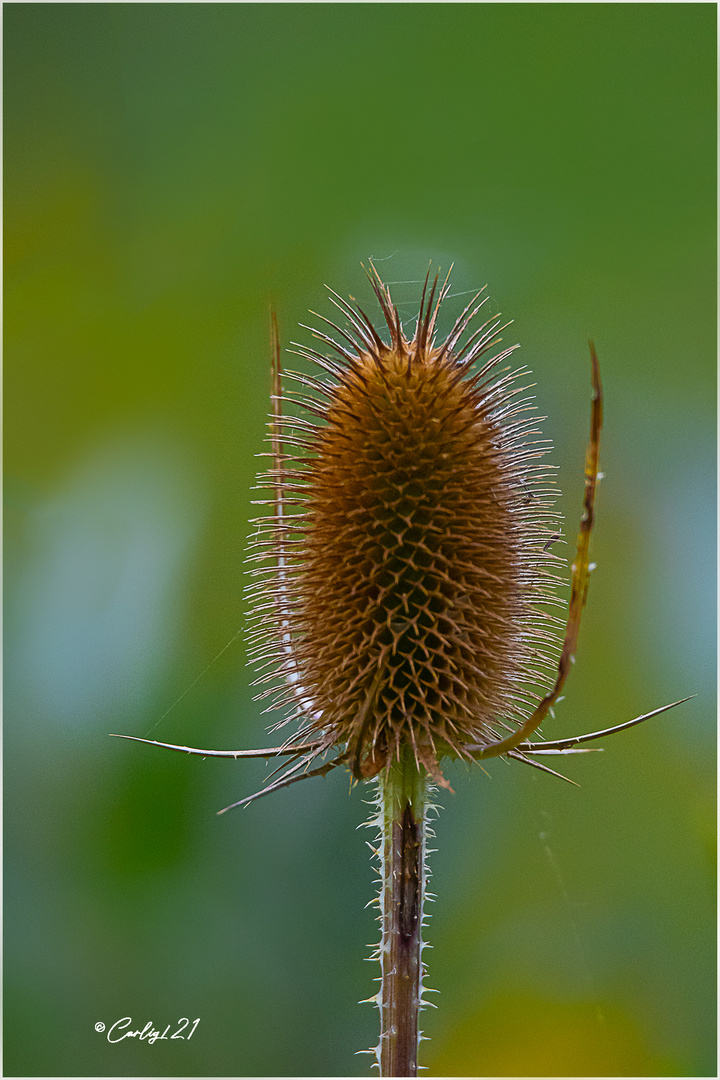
{"x":403,"y":582}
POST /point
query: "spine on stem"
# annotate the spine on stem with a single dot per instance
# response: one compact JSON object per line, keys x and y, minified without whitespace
{"x":403,"y":804}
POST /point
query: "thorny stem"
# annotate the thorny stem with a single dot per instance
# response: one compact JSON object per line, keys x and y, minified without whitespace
{"x":403,"y":806}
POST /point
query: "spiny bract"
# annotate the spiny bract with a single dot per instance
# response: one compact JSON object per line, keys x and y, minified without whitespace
{"x":405,"y":567}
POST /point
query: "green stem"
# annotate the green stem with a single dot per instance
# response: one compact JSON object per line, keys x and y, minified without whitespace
{"x":403,"y":818}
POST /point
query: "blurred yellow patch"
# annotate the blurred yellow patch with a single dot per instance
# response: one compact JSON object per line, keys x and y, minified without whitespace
{"x":526,"y":1036}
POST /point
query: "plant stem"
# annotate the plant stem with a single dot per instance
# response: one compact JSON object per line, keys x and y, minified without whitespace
{"x":403,"y":820}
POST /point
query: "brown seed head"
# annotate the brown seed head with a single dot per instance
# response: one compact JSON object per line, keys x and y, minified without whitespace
{"x":406,"y":564}
{"x":403,"y":575}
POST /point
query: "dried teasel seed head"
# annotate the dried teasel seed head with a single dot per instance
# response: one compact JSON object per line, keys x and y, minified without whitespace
{"x":404,"y":573}
{"x":404,"y":570}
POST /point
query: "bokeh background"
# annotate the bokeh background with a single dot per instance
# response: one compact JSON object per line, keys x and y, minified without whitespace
{"x":171,"y":170}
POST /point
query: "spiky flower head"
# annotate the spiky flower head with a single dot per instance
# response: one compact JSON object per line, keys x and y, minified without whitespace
{"x":404,"y":573}
{"x":405,"y":568}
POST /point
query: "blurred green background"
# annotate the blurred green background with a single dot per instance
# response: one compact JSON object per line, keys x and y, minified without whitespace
{"x":170,"y":170}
